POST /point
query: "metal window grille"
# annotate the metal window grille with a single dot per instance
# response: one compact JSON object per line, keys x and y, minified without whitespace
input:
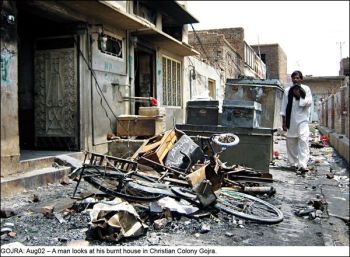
{"x":172,"y":82}
{"x":114,"y":47}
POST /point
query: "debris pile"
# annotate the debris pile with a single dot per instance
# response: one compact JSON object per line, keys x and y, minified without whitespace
{"x":315,"y":210}
{"x":168,"y":176}
{"x":109,"y":200}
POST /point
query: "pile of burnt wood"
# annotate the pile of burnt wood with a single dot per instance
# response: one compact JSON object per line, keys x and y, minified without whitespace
{"x":169,"y":173}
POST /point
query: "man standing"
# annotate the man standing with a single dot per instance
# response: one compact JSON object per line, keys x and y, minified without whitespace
{"x":295,"y":111}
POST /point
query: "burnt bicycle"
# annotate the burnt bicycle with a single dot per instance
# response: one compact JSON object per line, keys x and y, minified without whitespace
{"x":121,"y":178}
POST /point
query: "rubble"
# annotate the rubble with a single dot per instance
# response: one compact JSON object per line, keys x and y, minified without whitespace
{"x":62,"y":239}
{"x":304,"y":212}
{"x":59,"y":217}
{"x":135,"y":202}
{"x":47,"y":211}
{"x":113,"y":220}
{"x":9,"y":224}
{"x":160,"y":223}
{"x":35,"y":198}
{"x":12,"y":234}
{"x":65,"y":180}
{"x":183,"y":181}
{"x":228,"y":234}
{"x":176,"y":206}
{"x":7,"y":212}
{"x":330,"y":175}
{"x":6,"y":230}
{"x":205,"y":228}
{"x":319,"y":203}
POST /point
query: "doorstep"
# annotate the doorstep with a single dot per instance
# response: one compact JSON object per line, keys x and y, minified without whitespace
{"x":21,"y":182}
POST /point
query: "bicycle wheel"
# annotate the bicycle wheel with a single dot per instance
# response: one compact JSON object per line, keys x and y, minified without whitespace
{"x":225,"y":139}
{"x":147,"y":188}
{"x":247,"y":207}
{"x":116,"y":187}
{"x":186,"y":193}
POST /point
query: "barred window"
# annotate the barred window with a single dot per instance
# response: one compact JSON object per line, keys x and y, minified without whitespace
{"x":172,"y":83}
{"x":113,"y":46}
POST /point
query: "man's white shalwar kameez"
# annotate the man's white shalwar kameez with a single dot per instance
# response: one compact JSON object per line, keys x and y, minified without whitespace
{"x":298,"y":132}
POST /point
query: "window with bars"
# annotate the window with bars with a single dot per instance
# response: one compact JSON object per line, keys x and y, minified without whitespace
{"x":113,"y":47}
{"x":172,"y":95}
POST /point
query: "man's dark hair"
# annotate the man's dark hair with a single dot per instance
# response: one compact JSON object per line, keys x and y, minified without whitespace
{"x":297,"y":72}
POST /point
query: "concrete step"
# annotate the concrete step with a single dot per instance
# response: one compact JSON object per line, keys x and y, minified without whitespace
{"x":13,"y":185}
{"x":35,"y":173}
{"x":44,"y":162}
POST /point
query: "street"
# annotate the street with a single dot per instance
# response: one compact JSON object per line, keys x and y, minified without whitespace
{"x":326,"y":226}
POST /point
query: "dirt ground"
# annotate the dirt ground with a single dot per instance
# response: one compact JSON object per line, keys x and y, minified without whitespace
{"x":293,"y":192}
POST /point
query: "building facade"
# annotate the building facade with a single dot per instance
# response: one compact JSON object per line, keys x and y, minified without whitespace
{"x":227,"y":50}
{"x":275,"y":60}
{"x":322,"y":88}
{"x":202,"y":80}
{"x":344,"y":67}
{"x":216,"y":51}
{"x":70,"y":68}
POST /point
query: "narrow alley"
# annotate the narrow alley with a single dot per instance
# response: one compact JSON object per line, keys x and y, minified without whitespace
{"x":136,"y":128}
{"x":325,"y":225}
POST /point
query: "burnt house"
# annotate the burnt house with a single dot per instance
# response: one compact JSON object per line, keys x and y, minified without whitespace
{"x":227,"y":50}
{"x":70,"y":68}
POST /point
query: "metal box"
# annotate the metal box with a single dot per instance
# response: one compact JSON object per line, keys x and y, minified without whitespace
{"x":184,"y":146}
{"x":242,"y":114}
{"x":202,"y":112}
{"x":267,"y":92}
{"x":254,"y":149}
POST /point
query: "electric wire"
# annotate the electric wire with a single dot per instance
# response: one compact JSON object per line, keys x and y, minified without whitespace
{"x":99,"y":90}
{"x":205,"y":53}
{"x":200,"y":42}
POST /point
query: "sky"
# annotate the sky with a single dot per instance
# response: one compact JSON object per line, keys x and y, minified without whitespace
{"x":313,"y":34}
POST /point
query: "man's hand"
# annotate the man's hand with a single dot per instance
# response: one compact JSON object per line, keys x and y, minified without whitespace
{"x":296,"y":92}
{"x":284,"y":126}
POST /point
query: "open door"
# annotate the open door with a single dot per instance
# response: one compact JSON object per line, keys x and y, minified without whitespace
{"x":55,"y":94}
{"x":144,"y":75}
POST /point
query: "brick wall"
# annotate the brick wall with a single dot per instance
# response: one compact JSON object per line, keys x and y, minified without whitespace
{"x":217,"y":51}
{"x":345,"y":111}
{"x":234,"y":36}
{"x":330,"y":112}
{"x":338,"y":112}
{"x":275,"y":60}
{"x":324,"y":86}
{"x":335,"y":112}
{"x":282,"y":69}
{"x":323,"y":116}
{"x":335,"y":120}
{"x":344,"y":67}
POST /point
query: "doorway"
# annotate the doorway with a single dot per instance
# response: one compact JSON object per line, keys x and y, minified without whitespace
{"x":144,"y":76}
{"x":212,"y":89}
{"x":48,"y":112}
{"x":55,"y":100}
